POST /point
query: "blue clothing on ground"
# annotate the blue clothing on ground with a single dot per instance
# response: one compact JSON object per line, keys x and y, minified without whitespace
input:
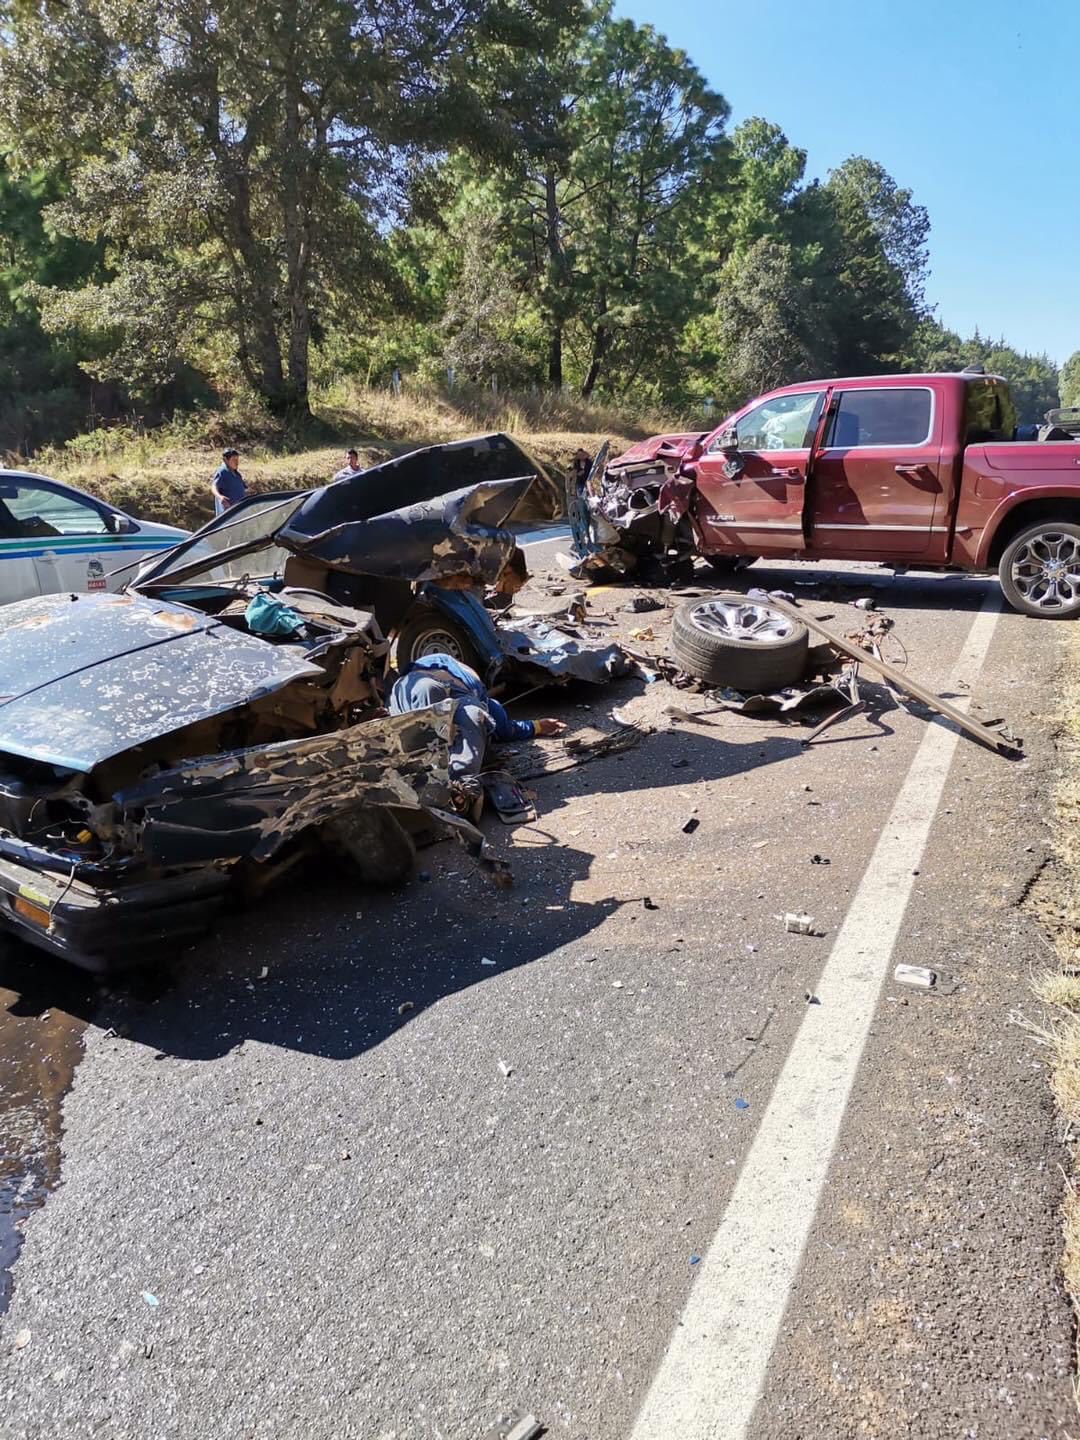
{"x":229,"y":483}
{"x":469,"y":682}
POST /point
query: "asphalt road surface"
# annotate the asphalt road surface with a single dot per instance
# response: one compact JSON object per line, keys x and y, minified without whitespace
{"x":611,"y":1147}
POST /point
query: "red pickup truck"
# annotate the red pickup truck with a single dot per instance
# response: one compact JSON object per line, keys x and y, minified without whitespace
{"x":909,"y":470}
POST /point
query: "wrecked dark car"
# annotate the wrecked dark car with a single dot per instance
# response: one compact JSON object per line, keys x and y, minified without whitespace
{"x":221,"y":718}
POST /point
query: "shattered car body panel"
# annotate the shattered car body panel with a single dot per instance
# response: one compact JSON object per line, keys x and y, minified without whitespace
{"x":626,"y":510}
{"x":534,"y":649}
{"x":251,"y":802}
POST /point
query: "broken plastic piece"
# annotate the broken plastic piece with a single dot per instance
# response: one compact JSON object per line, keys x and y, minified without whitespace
{"x":919,"y":976}
{"x":798,"y":924}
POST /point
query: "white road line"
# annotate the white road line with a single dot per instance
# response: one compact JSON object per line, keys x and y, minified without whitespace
{"x":711,"y":1376}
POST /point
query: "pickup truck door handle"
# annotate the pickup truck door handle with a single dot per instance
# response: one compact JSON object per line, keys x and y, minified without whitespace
{"x":793,"y":473}
{"x":912,"y":472}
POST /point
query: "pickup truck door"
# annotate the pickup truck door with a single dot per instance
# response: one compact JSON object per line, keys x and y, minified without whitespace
{"x":755,"y":505}
{"x":878,"y":484}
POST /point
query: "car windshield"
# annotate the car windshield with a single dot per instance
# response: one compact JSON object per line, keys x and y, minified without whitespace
{"x":236,"y":538}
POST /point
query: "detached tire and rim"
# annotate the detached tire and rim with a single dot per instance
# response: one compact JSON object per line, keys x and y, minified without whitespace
{"x":427,"y":632}
{"x":1040,"y":571}
{"x":746,"y":644}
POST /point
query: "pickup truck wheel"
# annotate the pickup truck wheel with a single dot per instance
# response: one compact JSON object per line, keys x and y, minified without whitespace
{"x":728,"y":565}
{"x":746,"y":644}
{"x":1040,"y":570}
{"x":426,"y":631}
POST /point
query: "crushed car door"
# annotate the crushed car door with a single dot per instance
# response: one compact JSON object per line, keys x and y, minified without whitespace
{"x":752,"y":500}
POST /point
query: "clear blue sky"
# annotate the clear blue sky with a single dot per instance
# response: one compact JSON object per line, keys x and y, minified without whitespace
{"x":972,"y":104}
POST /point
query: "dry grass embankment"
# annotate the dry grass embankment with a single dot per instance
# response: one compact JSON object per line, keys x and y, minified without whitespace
{"x":164,"y":474}
{"x":1058,"y":914}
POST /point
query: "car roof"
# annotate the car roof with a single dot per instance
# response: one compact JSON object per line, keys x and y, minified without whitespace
{"x":878,"y":381}
{"x":60,"y":485}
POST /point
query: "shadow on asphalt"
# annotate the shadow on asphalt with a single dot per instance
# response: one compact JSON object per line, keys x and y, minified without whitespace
{"x":816,"y":583}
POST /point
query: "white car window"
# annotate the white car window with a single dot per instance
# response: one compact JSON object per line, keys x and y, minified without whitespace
{"x":38,"y":510}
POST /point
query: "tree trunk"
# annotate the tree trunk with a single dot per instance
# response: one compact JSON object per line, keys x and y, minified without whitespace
{"x":557,"y":261}
{"x":555,"y":372}
{"x":296,"y":227}
{"x":601,"y":339}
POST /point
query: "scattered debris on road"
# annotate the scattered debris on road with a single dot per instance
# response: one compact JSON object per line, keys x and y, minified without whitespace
{"x":799,"y":923}
{"x":918,"y":976}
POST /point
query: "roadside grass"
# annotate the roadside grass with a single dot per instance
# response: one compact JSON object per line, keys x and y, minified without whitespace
{"x":163,"y":473}
{"x":1059,"y":988}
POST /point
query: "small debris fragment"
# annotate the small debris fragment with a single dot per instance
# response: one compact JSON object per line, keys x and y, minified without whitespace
{"x":866,"y":603}
{"x":649,"y":903}
{"x":345,"y":1155}
{"x":616,"y":984}
{"x":695,"y":1259}
{"x":639,"y":604}
{"x":759,"y":845}
{"x":22,"y":1339}
{"x":151,"y":1300}
{"x":691,"y":825}
{"x":811,"y":998}
{"x":485,"y":960}
{"x":264,"y":972}
{"x":680,"y":764}
{"x":819,"y":860}
{"x":798,"y":924}
{"x":741,"y":1104}
{"x":506,"y":1069}
{"x":405,"y":1007}
{"x":643,"y":635}
{"x":527,"y":1428}
{"x":918,"y":976}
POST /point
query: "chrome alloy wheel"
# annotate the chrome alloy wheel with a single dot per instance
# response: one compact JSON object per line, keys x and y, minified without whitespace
{"x":745,"y":620}
{"x":1046,"y":571}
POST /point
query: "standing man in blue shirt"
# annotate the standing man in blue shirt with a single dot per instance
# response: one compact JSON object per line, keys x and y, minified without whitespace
{"x":228,"y":484}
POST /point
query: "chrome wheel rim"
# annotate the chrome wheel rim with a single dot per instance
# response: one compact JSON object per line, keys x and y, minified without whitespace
{"x":742,"y":620}
{"x":1046,"y":571}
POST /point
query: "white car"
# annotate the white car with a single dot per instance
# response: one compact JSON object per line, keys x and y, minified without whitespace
{"x":54,"y":538}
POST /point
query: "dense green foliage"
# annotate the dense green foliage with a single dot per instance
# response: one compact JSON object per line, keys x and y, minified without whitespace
{"x":201,"y":197}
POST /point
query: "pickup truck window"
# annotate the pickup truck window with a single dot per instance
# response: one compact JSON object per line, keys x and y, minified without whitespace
{"x":786,"y":422}
{"x":881,"y":417}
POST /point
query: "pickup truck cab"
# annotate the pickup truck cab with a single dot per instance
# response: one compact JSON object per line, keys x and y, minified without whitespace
{"x":909,"y":470}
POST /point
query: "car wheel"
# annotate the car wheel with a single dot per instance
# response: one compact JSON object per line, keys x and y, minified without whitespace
{"x":1040,"y":571}
{"x":728,"y":565}
{"x":426,"y":631}
{"x":746,"y":644}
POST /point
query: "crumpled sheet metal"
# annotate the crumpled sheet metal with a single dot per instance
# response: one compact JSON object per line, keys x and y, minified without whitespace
{"x":459,"y":534}
{"x":792,"y":701}
{"x":249,"y":803}
{"x":534,"y":643}
{"x":619,"y":513}
{"x":428,"y":515}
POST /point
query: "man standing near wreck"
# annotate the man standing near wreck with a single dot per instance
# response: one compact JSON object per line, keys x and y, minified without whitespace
{"x":228,"y":484}
{"x":478,"y":718}
{"x":351,"y":467}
